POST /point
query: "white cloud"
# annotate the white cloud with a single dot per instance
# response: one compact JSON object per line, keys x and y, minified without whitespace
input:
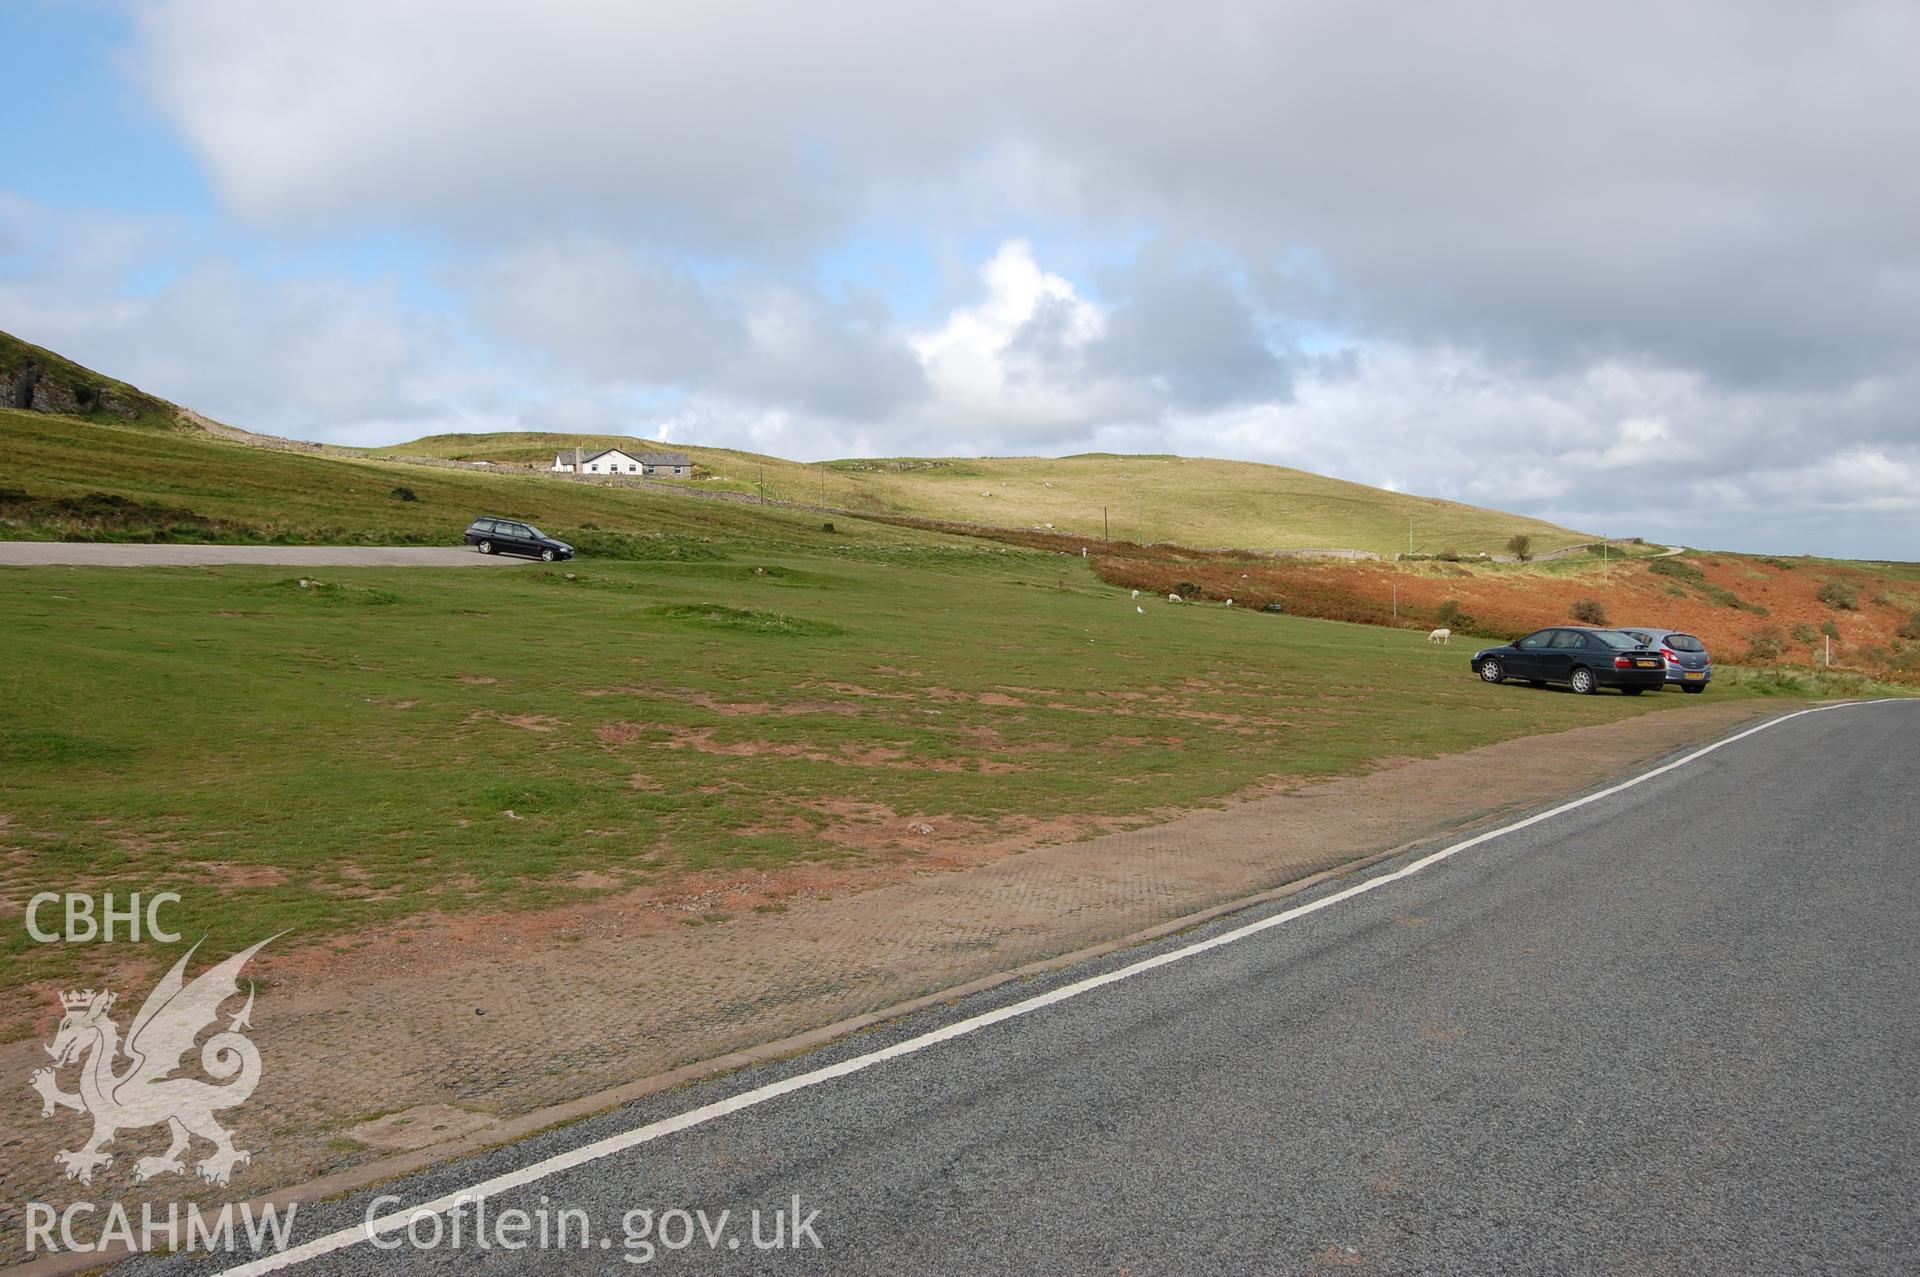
{"x":1627,"y":266}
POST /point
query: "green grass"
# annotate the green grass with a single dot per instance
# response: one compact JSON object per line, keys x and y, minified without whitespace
{"x":333,"y":758}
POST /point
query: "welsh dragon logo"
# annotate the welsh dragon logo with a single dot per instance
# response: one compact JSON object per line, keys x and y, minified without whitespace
{"x":143,"y":1091}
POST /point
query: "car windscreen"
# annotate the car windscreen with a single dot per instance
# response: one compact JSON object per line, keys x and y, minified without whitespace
{"x":1685,"y":643}
{"x":1614,"y":638}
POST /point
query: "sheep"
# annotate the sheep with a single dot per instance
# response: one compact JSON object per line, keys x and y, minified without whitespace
{"x":1142,"y":611}
{"x":1173,"y":598}
{"x":1440,"y":636}
{"x":1229,"y":602}
{"x":1136,"y":594}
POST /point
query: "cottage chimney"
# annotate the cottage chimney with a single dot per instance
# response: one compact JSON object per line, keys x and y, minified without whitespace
{"x":579,"y":459}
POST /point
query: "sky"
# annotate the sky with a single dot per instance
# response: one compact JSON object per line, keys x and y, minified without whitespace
{"x":1636,"y":268}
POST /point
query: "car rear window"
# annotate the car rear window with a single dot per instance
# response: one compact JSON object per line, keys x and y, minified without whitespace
{"x":1685,"y":643}
{"x":1614,"y":638}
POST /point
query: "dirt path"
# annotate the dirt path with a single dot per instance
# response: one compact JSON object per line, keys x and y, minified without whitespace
{"x":474,"y":1019}
{"x":119,"y":555}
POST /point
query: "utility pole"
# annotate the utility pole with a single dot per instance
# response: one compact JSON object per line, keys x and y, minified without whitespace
{"x":1106,"y":529}
{"x":761,"y":483}
{"x":823,"y":483}
{"x":1396,"y":602}
{"x":1409,"y":535}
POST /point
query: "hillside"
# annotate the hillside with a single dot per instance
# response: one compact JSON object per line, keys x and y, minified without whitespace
{"x":37,"y":379}
{"x":192,"y":485}
{"x":1185,"y":500}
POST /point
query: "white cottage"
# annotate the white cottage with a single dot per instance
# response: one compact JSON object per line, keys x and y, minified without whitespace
{"x":611,"y":461}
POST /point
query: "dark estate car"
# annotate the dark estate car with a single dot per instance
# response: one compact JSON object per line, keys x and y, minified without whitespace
{"x":509,"y":536}
{"x":1585,"y":660}
{"x":1688,"y":664}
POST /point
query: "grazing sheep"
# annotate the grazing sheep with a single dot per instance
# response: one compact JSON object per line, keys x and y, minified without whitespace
{"x":1142,"y":611}
{"x":1136,"y":594}
{"x":1229,"y":602}
{"x":1440,"y":636}
{"x":1173,"y":598}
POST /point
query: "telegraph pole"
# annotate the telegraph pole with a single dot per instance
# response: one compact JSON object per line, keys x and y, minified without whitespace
{"x":1106,"y":529}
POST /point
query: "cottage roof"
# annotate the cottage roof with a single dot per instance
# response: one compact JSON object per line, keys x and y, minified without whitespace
{"x":644,"y":458}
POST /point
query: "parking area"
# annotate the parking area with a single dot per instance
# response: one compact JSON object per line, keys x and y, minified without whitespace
{"x":113,"y":555}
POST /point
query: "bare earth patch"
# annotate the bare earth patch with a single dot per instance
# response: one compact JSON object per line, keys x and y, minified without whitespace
{"x":526,"y":722}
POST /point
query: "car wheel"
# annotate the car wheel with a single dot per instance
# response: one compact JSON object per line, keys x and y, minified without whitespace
{"x":1632,"y":691}
{"x":1584,"y":683}
{"x":1693,"y":689}
{"x":485,"y":547}
{"x":1490,"y":670}
{"x":546,"y":556}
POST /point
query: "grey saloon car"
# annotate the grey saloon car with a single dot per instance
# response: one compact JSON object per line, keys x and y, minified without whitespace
{"x":1688,"y":665}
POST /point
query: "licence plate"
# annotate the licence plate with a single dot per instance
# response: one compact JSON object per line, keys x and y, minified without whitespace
{"x":1648,"y":665}
{"x":1694,"y":674}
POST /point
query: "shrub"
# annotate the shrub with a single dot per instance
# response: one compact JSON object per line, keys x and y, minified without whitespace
{"x":1452,"y":618}
{"x":1804,"y":633}
{"x":403,"y":494}
{"x":1589,"y":612}
{"x":1910,"y":628}
{"x":1829,"y":629}
{"x":826,"y":527}
{"x":1275,"y":606}
{"x":1449,"y":555}
{"x":1765,"y":644}
{"x":1187,"y":590}
{"x":1883,"y":599}
{"x":1678,"y":569}
{"x":1520,"y":546}
{"x":1839,"y":595}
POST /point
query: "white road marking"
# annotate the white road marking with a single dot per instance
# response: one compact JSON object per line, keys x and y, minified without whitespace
{"x":613,"y":1144}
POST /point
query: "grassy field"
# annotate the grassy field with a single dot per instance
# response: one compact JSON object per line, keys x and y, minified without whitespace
{"x":383,"y":744}
{"x":1191,"y":501}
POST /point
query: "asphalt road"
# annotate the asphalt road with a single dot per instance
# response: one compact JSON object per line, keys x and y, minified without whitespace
{"x":119,"y":555}
{"x":1676,"y":1030}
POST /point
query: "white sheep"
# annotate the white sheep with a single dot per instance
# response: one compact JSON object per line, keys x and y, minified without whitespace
{"x":1442,"y":636}
{"x":1142,"y":611}
{"x":1173,"y":598}
{"x":1229,"y":602}
{"x":1136,"y":594}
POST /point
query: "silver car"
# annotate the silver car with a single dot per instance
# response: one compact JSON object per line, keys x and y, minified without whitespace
{"x":1687,"y":661}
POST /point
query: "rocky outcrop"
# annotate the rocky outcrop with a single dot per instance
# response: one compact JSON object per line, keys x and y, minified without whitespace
{"x":39,"y":380}
{"x":31,"y":388}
